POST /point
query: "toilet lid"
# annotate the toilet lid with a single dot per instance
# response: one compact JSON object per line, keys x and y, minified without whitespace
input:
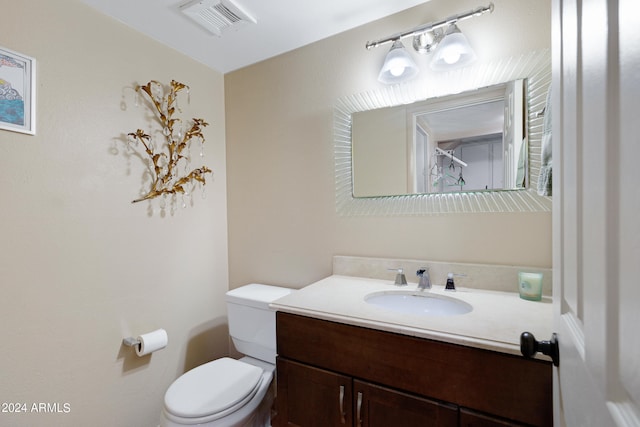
{"x":214,"y":387}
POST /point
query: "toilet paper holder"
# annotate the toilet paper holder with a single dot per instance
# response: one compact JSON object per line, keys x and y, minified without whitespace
{"x":147,"y":343}
{"x":131,"y":342}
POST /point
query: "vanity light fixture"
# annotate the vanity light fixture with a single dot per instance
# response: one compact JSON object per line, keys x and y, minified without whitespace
{"x":443,"y":38}
{"x":398,"y":65}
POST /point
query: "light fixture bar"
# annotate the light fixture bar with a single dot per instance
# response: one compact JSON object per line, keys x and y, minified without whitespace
{"x":432,"y":26}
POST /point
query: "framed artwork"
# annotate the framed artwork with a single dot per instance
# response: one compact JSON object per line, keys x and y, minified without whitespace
{"x":17,"y":92}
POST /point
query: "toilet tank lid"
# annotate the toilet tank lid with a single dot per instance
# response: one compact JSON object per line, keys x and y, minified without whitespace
{"x":257,"y":295}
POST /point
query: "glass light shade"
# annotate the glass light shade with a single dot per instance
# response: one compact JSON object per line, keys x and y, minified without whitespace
{"x":398,"y":65}
{"x":453,"y":51}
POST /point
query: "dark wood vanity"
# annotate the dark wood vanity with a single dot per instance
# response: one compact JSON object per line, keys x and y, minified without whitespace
{"x":334,"y":374}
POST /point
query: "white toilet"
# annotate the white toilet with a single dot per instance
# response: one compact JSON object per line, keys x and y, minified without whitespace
{"x":228,"y":392}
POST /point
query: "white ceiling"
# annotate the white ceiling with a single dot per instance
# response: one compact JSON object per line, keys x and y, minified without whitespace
{"x":471,"y":120}
{"x":282,"y":25}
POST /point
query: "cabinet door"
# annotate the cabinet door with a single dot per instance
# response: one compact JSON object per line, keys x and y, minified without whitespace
{"x":377,"y":406}
{"x":470,"y":418}
{"x":311,"y":397}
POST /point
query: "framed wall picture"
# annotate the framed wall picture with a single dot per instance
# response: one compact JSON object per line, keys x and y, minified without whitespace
{"x":17,"y":92}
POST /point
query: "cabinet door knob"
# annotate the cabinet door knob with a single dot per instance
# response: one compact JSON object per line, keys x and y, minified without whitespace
{"x":529,"y":347}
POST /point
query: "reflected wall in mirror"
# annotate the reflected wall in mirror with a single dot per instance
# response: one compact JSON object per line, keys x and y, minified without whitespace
{"x":471,"y":141}
{"x":531,"y":70}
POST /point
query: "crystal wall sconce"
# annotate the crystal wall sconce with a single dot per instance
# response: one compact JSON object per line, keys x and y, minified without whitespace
{"x":168,"y":154}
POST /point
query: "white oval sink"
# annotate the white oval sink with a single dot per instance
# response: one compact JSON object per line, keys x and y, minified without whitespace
{"x":416,"y":302}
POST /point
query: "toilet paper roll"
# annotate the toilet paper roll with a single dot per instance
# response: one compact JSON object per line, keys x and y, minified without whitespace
{"x":153,"y":341}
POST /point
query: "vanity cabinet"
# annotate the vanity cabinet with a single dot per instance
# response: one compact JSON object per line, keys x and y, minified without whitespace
{"x":377,"y":406}
{"x":319,"y":398}
{"x":333,"y":374}
{"x":314,"y":397}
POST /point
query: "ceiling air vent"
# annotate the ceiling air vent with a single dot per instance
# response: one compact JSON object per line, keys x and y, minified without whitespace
{"x":217,"y":16}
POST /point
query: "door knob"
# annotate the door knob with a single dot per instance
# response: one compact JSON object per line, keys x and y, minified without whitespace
{"x":529,"y":347}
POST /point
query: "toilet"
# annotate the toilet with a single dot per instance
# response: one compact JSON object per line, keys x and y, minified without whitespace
{"x":228,"y":392}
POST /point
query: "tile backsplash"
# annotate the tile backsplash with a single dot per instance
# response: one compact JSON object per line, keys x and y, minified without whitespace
{"x":480,"y":276}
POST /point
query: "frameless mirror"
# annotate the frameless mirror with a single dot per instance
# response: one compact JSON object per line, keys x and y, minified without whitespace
{"x":471,"y":141}
{"x":421,"y":174}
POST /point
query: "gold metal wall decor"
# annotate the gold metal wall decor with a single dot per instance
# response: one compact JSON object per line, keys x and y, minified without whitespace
{"x":173,"y":149}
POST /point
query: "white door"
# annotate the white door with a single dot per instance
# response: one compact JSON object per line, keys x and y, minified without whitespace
{"x":513,"y":131}
{"x":422,"y":162}
{"x":596,"y":211}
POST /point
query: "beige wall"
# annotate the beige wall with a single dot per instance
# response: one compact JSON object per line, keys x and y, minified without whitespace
{"x":283,"y":226}
{"x":81,"y":267}
{"x":380,"y":152}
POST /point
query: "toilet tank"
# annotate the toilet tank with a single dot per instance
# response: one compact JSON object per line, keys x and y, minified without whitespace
{"x":252,"y":324}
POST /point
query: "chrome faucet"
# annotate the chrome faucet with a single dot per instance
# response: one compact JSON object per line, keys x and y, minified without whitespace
{"x":401,"y":280}
{"x":425,"y":279}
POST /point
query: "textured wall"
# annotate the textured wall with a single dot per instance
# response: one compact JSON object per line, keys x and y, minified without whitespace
{"x":81,"y":267}
{"x":283,"y":226}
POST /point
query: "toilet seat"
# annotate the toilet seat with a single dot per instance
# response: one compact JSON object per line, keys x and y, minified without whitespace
{"x":212,"y":390}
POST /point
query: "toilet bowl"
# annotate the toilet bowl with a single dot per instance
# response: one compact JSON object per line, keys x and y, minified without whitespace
{"x":221,"y":393}
{"x":228,"y":392}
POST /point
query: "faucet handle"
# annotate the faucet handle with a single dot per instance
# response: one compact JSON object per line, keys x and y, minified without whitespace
{"x":401,"y":280}
{"x":450,"y":286}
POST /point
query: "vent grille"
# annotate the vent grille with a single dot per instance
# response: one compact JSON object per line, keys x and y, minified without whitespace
{"x":217,"y":16}
{"x":227,"y":13}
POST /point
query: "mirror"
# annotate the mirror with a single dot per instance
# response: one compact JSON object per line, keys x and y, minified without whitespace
{"x":471,"y":141}
{"x":533,"y":72}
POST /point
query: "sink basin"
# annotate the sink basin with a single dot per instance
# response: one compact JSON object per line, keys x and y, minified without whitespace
{"x":416,"y":302}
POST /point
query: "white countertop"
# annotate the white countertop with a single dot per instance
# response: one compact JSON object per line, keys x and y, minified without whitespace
{"x":495,"y":323}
